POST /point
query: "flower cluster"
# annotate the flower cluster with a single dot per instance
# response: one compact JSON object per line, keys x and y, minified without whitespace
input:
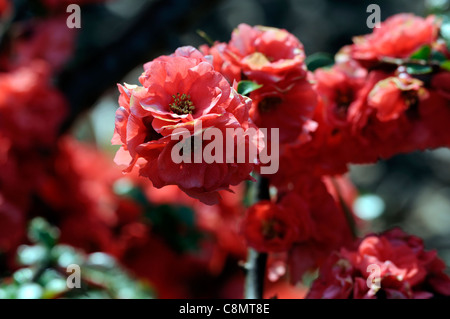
{"x":393,"y":265}
{"x":274,"y":59}
{"x":385,"y":95}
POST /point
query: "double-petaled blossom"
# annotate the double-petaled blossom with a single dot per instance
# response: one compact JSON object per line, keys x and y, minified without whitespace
{"x":391,"y":265}
{"x":306,"y":222}
{"x":184,"y":92}
{"x":271,"y":227}
{"x":275,"y":59}
{"x":398,"y":37}
{"x":267,"y":54}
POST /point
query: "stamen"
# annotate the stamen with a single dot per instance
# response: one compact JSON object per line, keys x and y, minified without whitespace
{"x":182,"y":104}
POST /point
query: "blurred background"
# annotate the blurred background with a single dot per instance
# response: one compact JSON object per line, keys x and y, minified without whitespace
{"x":118,"y":36}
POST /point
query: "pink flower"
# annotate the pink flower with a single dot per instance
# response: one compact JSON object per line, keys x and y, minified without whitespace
{"x":394,"y":95}
{"x":182,"y":91}
{"x":267,"y":54}
{"x":398,"y":37}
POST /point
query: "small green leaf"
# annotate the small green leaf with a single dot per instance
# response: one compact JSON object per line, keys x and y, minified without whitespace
{"x":177,"y":225}
{"x":418,"y":69}
{"x":246,"y":87}
{"x":40,"y":231}
{"x":438,"y":56}
{"x":445,"y":65}
{"x":422,"y":54}
{"x":319,"y":60}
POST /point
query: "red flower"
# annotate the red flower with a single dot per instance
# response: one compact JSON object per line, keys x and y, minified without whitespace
{"x":222,"y":61}
{"x":183,"y":91}
{"x":269,"y":227}
{"x":306,"y":222}
{"x":273,"y":58}
{"x":49,"y":40}
{"x":338,"y":88}
{"x":441,"y":83}
{"x":5,"y":8}
{"x":267,"y":54}
{"x":30,"y":110}
{"x":181,"y":88}
{"x":406,"y":270}
{"x":330,"y":227}
{"x":398,"y":37}
{"x":394,"y":95}
{"x":288,"y":106}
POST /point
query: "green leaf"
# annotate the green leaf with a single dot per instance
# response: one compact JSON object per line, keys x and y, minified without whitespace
{"x":177,"y":225}
{"x":418,"y":69}
{"x":40,"y":231}
{"x":319,"y":60}
{"x":445,"y":65}
{"x":246,"y":87}
{"x":438,"y":56}
{"x":422,"y":54}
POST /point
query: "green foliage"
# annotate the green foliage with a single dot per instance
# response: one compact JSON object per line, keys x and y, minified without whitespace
{"x":246,"y":87}
{"x":423,"y":53}
{"x":418,"y":69}
{"x":176,"y":224}
{"x":44,"y":273}
{"x":446,"y":65}
{"x":319,"y":60}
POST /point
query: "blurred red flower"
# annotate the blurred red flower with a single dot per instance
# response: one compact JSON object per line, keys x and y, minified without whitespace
{"x":31,"y":111}
{"x":407,"y":270}
{"x":44,"y":39}
{"x":398,"y":37}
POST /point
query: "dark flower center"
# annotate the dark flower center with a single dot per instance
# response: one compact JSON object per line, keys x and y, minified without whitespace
{"x":272,"y":229}
{"x":182,"y":104}
{"x":411,"y":98}
{"x":151,"y":135}
{"x":343,"y":101}
{"x":269,"y":103}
